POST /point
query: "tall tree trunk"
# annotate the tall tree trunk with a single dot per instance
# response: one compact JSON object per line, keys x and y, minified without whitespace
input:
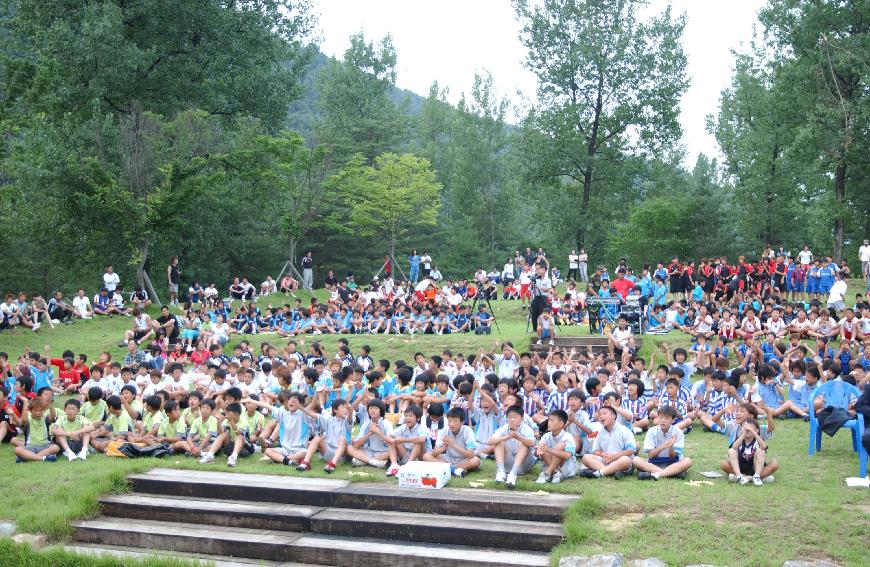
{"x":839,"y":197}
{"x":392,"y":254}
{"x":141,"y":279}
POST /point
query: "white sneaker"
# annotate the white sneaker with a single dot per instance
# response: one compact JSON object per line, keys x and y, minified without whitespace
{"x":206,"y":459}
{"x":70,"y":455}
{"x":733,"y":477}
{"x":83,"y":454}
{"x":511,"y":480}
{"x":231,"y":461}
{"x":459,"y":472}
{"x":744,"y":480}
{"x":55,"y":321}
{"x":557,"y":477}
{"x":378,"y":463}
{"x":542,"y":478}
{"x":756,"y":480}
{"x":357,"y":463}
{"x":768,"y":479}
{"x":266,"y":458}
{"x":500,"y":476}
{"x":637,"y":430}
{"x":552,"y":342}
{"x":36,"y":326}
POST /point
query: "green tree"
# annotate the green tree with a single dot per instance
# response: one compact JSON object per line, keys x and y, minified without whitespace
{"x":396,"y":194}
{"x":823,"y":46}
{"x":654,"y":228}
{"x":607,"y":84}
{"x":296,"y":175}
{"x":754,"y":128}
{"x":356,"y":112}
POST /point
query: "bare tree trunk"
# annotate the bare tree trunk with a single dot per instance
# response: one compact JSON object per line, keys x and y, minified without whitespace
{"x":839,"y":196}
{"x":140,"y":269}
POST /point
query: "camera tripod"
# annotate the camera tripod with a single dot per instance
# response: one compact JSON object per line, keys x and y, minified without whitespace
{"x":477,"y":301}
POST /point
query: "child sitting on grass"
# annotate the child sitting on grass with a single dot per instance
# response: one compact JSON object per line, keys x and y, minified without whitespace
{"x":117,"y":425}
{"x":663,"y":446}
{"x":557,"y":450}
{"x":747,"y":455}
{"x":612,"y":450}
{"x":203,"y":429}
{"x":455,"y":445}
{"x":172,"y":430}
{"x":292,"y":427}
{"x":72,"y":431}
{"x":332,"y":438}
{"x":734,"y":430}
{"x":371,"y":447}
{"x":407,"y":442}
{"x":37,"y":445}
{"x":513,"y":444}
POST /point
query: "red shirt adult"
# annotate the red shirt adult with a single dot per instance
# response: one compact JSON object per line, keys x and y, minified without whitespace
{"x":622,"y":286}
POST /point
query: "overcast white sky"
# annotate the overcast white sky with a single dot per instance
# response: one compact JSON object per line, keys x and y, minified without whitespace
{"x":447,"y":41}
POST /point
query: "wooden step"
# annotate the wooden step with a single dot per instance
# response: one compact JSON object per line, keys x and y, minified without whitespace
{"x":277,"y":546}
{"x":170,"y":536}
{"x":453,"y":530}
{"x":234,"y":486}
{"x":227,"y":513}
{"x":454,"y":502}
{"x":361,"y":552}
{"x":130,"y":553}
{"x":323,"y":493}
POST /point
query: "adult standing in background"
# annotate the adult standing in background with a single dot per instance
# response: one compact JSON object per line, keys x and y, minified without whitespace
{"x":582,"y":262}
{"x":864,"y":256}
{"x":426,"y":262}
{"x":308,"y":272}
{"x":110,"y":280}
{"x":172,"y":273}
{"x":805,"y":257}
{"x":573,"y":265}
{"x":414,"y":261}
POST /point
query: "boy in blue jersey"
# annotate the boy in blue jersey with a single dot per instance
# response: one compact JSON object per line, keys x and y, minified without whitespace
{"x":371,"y":446}
{"x":292,"y":428}
{"x":663,"y":446}
{"x":486,"y":418}
{"x":408,"y":441}
{"x":513,"y":444}
{"x":333,"y":437}
{"x":557,"y":450}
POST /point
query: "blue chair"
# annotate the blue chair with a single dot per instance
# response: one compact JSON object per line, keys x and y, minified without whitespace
{"x":839,"y":394}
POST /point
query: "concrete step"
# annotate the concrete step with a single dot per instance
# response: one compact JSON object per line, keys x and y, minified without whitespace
{"x":280,"y":547}
{"x":228,"y":513}
{"x":453,"y":530}
{"x":327,"y":493}
{"x":170,"y":536}
{"x":127,"y":553}
{"x":234,"y":486}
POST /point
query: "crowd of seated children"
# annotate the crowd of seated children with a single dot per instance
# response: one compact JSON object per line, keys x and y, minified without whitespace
{"x":570,"y":413}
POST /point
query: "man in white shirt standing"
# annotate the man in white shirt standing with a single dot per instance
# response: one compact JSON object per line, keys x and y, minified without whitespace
{"x":82,"y":306}
{"x":837,"y":295}
{"x":110,"y":280}
{"x":805,"y":256}
{"x":864,"y":256}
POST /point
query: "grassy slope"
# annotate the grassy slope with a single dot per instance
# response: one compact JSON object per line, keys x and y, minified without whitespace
{"x":808,"y":512}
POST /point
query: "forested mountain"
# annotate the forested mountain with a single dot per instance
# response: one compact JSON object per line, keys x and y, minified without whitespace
{"x":133,"y":131}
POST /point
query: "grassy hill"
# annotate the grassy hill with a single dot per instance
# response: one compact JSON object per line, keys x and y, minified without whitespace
{"x":807,"y":513}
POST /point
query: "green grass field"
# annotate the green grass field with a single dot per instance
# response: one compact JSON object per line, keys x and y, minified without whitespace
{"x":807,"y":513}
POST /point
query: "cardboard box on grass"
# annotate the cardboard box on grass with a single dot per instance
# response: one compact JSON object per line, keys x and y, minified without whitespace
{"x":420,"y":474}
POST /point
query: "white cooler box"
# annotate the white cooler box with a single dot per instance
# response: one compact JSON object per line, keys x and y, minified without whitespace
{"x":420,"y":474}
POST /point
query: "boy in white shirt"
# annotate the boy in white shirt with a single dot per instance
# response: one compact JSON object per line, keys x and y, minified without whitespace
{"x":557,"y":449}
{"x":612,"y":450}
{"x":664,"y":448}
{"x":513,"y":445}
{"x":82,"y":306}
